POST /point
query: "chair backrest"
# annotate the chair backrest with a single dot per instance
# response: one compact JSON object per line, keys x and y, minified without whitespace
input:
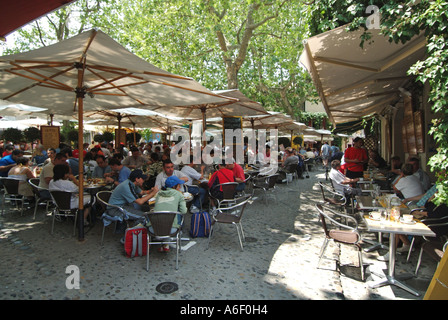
{"x":11,"y":185}
{"x":237,"y":209}
{"x":355,"y":235}
{"x":103,"y":198}
{"x":162,"y":222}
{"x":228,"y":189}
{"x":34,"y":183}
{"x":330,"y":196}
{"x":272,"y":179}
{"x":292,"y":167}
{"x":62,"y":199}
{"x":322,"y":217}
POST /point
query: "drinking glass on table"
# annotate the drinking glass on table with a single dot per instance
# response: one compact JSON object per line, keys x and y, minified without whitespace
{"x":377,"y":191}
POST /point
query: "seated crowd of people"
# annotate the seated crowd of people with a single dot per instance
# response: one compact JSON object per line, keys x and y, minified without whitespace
{"x":143,"y":172}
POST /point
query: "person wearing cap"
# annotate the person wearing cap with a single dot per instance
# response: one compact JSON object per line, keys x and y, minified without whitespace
{"x":355,"y":158}
{"x":170,"y":198}
{"x":129,"y":196}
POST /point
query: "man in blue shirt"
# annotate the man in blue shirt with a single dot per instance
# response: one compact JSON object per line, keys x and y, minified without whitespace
{"x":102,"y":168}
{"x":9,"y":161}
{"x":129,"y":196}
{"x":122,"y":172}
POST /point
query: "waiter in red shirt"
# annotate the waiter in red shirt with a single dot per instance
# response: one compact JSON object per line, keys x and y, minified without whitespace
{"x":355,"y":158}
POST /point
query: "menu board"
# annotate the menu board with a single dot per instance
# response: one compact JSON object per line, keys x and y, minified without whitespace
{"x":50,"y":136}
{"x":120,"y":136}
{"x":232,"y":123}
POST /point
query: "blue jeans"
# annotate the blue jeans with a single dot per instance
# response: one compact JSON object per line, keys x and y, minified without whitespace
{"x":240,"y":187}
{"x":196,"y":190}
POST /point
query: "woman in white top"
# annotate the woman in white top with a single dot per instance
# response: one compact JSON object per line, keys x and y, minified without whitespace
{"x":408,"y":184}
{"x":64,"y":181}
{"x":23,"y":173}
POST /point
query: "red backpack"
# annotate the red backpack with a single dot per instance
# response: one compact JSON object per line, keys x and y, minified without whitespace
{"x":135,"y":241}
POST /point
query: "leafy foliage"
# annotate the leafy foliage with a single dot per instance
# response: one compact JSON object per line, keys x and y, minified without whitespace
{"x":13,"y":134}
{"x":252,"y":45}
{"x":31,"y":134}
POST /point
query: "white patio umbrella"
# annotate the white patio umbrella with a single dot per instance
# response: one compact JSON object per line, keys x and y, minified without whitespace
{"x":239,"y":106}
{"x":90,"y":72}
{"x":17,"y":109}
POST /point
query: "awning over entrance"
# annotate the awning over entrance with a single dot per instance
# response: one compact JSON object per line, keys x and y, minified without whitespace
{"x":355,"y":82}
{"x":15,"y":14}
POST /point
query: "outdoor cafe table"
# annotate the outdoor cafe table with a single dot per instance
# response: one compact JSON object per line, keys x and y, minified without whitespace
{"x":369,"y":187}
{"x":366,"y":203}
{"x":415,"y":228}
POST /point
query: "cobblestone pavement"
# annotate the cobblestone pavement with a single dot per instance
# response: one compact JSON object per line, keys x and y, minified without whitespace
{"x":278,"y":262}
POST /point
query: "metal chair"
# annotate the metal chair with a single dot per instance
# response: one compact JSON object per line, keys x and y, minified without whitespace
{"x":62,"y":200}
{"x":228,"y":193}
{"x":435,"y":224}
{"x":266,"y":183}
{"x":346,"y":234}
{"x":161,"y":230}
{"x":11,"y":193}
{"x":331,"y":197}
{"x":306,"y":164}
{"x":39,"y":199}
{"x":231,"y":215}
{"x":435,"y":249}
{"x":292,"y":169}
{"x":103,"y":199}
{"x":249,"y":189}
{"x":350,"y":199}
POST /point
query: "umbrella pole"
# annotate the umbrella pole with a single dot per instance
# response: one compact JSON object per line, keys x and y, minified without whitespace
{"x":80,"y":92}
{"x":204,"y":124}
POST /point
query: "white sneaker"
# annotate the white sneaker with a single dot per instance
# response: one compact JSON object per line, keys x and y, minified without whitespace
{"x":383,"y":258}
{"x":194,"y":209}
{"x":404,"y":249}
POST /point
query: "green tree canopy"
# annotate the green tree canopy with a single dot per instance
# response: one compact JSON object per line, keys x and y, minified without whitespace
{"x":252,"y":45}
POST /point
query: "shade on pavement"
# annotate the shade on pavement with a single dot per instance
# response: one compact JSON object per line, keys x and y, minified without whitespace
{"x":355,"y":82}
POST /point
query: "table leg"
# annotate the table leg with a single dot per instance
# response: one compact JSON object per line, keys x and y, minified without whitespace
{"x":390,"y":279}
{"x":376,"y":245}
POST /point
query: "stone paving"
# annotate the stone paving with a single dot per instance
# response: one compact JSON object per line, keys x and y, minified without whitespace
{"x":278,"y":262}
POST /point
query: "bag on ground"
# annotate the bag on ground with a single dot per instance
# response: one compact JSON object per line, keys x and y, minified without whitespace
{"x":200,"y":224}
{"x":135,"y":241}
